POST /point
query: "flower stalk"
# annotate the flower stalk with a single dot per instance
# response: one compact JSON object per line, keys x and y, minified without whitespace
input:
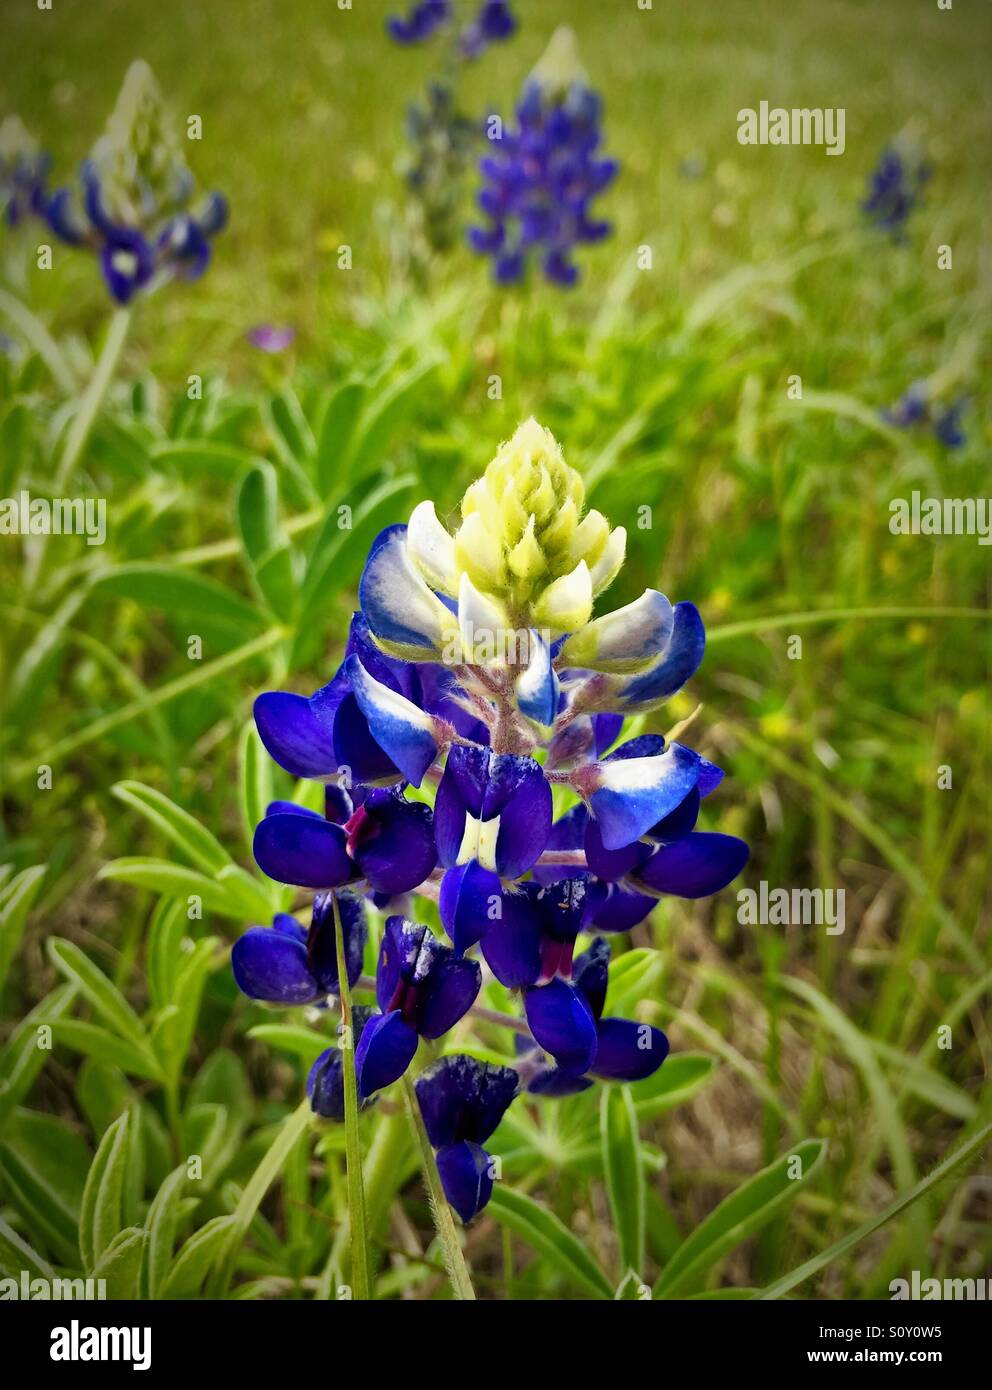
{"x":353,"y":1154}
{"x":451,"y":1250}
{"x":83,"y":421}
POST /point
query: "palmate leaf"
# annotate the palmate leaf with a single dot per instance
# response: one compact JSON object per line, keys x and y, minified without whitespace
{"x":234,"y":893}
{"x":268,"y":555}
{"x":186,"y":597}
{"x":256,"y":780}
{"x":337,"y":430}
{"x":292,"y":1038}
{"x":623,"y":1170}
{"x":542,"y":1230}
{"x":44,"y":1163}
{"x":16,"y":1254}
{"x":675,"y":1083}
{"x":738,"y":1216}
{"x":104,"y":1046}
{"x":196,"y":1258}
{"x":120,"y":1263}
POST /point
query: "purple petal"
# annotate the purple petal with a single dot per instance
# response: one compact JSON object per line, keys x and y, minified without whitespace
{"x":392,"y":841}
{"x":464,"y":1170}
{"x":512,"y":943}
{"x":272,"y":966}
{"x":293,"y":735}
{"x":562,"y":1023}
{"x":617,"y":910}
{"x":302,"y":850}
{"x":446,"y":996}
{"x":628,"y":1051}
{"x":462,"y":1098}
{"x":590,"y":974}
{"x":468,"y":895}
{"x":384,"y":1052}
{"x":695,"y":867}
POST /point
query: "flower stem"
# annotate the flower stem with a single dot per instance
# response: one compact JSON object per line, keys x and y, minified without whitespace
{"x":444,"y":1224}
{"x":353,"y":1154}
{"x":93,"y":397}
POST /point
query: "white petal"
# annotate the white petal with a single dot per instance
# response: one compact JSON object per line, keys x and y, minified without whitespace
{"x":567,"y":603}
{"x":431,"y":548}
{"x":608,"y":566}
{"x":626,"y":640}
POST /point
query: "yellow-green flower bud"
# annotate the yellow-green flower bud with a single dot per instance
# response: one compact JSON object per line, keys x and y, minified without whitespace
{"x":524,"y":539}
{"x":143,"y":175}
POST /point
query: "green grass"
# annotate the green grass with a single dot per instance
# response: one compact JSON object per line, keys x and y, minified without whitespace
{"x":667,"y":388}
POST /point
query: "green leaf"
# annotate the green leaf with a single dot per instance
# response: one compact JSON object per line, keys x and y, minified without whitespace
{"x":195,"y":1259}
{"x":336,"y":433}
{"x":16,"y":1254}
{"x":199,"y":456}
{"x":174,"y":1029}
{"x":161,"y":876}
{"x":677,"y":1081}
{"x":184,"y":596}
{"x":738,"y":1216}
{"x":100,"y":1215}
{"x":120,"y":1263}
{"x":624,"y":1173}
{"x":385,"y":416}
{"x":15,"y":904}
{"x":256,"y":780}
{"x":161,"y":1225}
{"x":44,"y":1163}
{"x":292,"y":1038}
{"x":163,"y":951}
{"x":185,"y":832}
{"x":961,"y":1156}
{"x":104,"y":996}
{"x":258,"y":512}
{"x":21,"y":1058}
{"x":104,"y":1046}
{"x":545,"y":1233}
{"x":632,"y":977}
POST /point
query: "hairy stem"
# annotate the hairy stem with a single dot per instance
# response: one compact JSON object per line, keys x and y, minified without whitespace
{"x":444,"y":1224}
{"x":353,"y":1153}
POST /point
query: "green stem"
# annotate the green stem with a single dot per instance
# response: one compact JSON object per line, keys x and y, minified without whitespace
{"x":93,"y":396}
{"x":251,"y":1198}
{"x":38,"y":337}
{"x":154,"y":698}
{"x":833,"y":615}
{"x":451,"y":1250}
{"x":353,"y":1154}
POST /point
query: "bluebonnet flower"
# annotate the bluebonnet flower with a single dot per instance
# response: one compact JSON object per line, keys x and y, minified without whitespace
{"x":493,"y":21}
{"x":895,"y":187}
{"x":916,"y":407}
{"x":542,"y":176}
{"x":325,"y":1082}
{"x":283,"y":964}
{"x":422,"y":989}
{"x":462,"y":1101}
{"x":476,"y":655}
{"x":625,"y":1051}
{"x":23,"y":173}
{"x":135,"y":203}
{"x":422,"y":21}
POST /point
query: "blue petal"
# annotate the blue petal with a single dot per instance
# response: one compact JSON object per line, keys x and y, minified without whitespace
{"x":611,"y":864}
{"x":695,"y":867}
{"x":485,"y":786}
{"x":448,"y":993}
{"x":562,"y":1023}
{"x":591,"y":972}
{"x":536,"y":688}
{"x":464,"y":1170}
{"x":615,"y":909}
{"x":325,"y":1083}
{"x":272,"y":966}
{"x":293,"y":735}
{"x":468,"y":894}
{"x":384,"y":1052}
{"x":567,"y":833}
{"x":631,"y":795}
{"x":628,"y":1051}
{"x":321,"y":943}
{"x":302,"y":850}
{"x":462,"y":1098}
{"x":512,"y":943}
{"x":392,"y":841}
{"x":397,"y":604}
{"x":400,"y":729}
{"x":678,"y":663}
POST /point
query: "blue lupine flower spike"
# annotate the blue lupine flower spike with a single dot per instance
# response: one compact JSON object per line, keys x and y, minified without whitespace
{"x":135,"y":206}
{"x":543,"y":173}
{"x":477,"y":673}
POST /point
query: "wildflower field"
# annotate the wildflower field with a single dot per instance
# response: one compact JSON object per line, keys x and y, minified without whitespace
{"x":496,"y":754}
